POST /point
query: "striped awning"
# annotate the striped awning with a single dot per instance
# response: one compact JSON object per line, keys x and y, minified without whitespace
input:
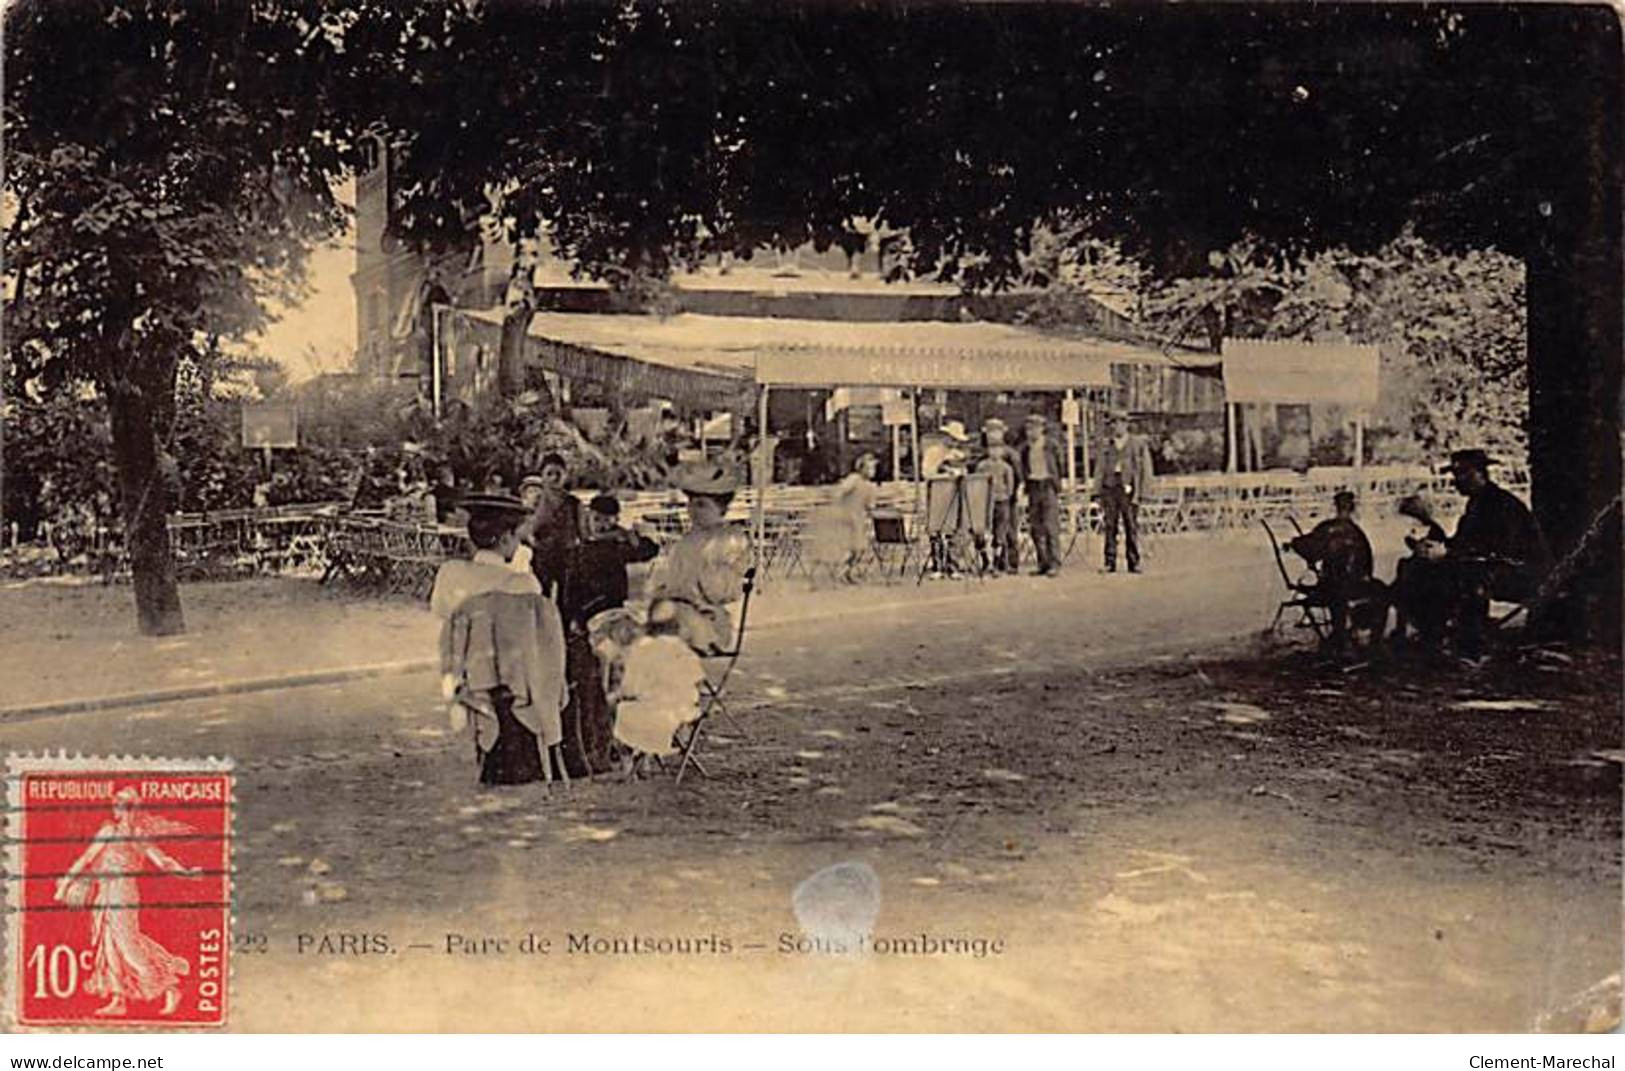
{"x":696,"y":357}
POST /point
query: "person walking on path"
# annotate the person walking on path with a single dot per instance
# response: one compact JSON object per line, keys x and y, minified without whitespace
{"x":838,"y":532}
{"x":1040,"y":471}
{"x":1123,"y":476}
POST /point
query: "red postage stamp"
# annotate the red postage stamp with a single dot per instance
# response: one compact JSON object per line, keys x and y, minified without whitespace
{"x":119,"y":892}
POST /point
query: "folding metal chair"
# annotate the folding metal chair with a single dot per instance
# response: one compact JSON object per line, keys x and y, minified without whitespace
{"x":713,"y":690}
{"x":890,"y":538}
{"x":1313,"y":615}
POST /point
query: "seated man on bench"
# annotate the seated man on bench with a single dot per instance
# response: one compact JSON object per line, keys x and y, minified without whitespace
{"x":1498,"y":552}
{"x":1341,"y":554}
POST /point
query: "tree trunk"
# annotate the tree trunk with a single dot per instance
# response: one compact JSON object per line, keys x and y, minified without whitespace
{"x":145,"y":500}
{"x":511,"y":352}
{"x":1576,"y":335}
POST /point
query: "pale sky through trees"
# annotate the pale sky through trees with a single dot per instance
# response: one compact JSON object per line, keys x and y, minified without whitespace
{"x":325,"y":321}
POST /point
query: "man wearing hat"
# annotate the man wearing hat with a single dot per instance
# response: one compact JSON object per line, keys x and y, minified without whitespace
{"x":1498,"y":552}
{"x":501,"y":647}
{"x":1123,"y":474}
{"x":942,"y":457}
{"x":942,"y":453}
{"x":1040,"y":469}
{"x":1341,"y":554}
{"x":1000,"y":465}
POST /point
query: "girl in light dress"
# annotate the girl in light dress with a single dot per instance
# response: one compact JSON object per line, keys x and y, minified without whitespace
{"x":838,"y":532}
{"x":658,"y":690}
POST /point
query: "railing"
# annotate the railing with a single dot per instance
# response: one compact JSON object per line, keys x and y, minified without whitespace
{"x":367,"y":552}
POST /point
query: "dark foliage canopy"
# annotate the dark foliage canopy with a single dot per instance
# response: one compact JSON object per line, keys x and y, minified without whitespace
{"x":650,"y":134}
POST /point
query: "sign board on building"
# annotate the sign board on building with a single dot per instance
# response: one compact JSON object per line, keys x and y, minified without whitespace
{"x":897,"y":412}
{"x":946,"y":370}
{"x":268,"y":426}
{"x":1301,"y":373}
{"x":864,"y":423}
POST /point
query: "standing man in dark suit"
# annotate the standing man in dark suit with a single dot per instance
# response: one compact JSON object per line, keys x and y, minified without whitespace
{"x":1123,"y":476}
{"x":1041,"y":468}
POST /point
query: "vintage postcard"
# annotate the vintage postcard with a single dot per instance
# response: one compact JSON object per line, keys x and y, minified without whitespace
{"x":883,"y":517}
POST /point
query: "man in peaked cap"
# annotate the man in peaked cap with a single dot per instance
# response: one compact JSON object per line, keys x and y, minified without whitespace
{"x":1040,"y":470}
{"x":1341,"y":555}
{"x":1498,"y":551}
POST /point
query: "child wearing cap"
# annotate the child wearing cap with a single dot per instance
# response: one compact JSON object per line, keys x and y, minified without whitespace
{"x":595,"y":576}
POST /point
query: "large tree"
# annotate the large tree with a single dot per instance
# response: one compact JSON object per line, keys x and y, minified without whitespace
{"x":168,"y":167}
{"x":1177,"y":130}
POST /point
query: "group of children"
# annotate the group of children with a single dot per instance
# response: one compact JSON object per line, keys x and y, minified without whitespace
{"x":542,"y":655}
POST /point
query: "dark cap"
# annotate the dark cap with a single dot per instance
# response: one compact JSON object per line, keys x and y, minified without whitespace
{"x":1470,"y":459}
{"x":555,"y":459}
{"x":1343,"y":498}
{"x":606,"y":504}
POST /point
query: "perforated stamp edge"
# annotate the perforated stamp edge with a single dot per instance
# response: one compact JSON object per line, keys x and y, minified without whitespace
{"x":18,"y":764}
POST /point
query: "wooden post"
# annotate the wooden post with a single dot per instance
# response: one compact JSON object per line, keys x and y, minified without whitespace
{"x":434,"y":355}
{"x":1071,"y":445}
{"x":1230,"y":437}
{"x":914,"y":431}
{"x":1359,"y":441}
{"x":764,"y":475}
{"x":897,"y":453}
{"x":1083,"y":424}
{"x":1080,"y":518}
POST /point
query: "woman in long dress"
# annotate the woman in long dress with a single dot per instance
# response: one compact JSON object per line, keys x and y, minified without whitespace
{"x":501,"y":650}
{"x":704,"y":572}
{"x":838,"y":532}
{"x":128,"y":965}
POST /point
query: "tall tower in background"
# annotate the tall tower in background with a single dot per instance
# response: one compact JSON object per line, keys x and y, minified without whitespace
{"x":395,"y":284}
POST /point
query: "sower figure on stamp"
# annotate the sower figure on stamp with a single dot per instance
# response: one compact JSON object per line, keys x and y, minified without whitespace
{"x":501,"y":650}
{"x":129,"y":964}
{"x":1040,"y":471}
{"x":1123,"y":477}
